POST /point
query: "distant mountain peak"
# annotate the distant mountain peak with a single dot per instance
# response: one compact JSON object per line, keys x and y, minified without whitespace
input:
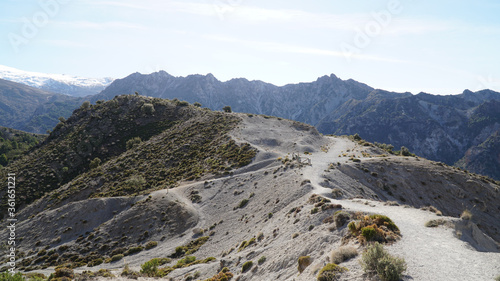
{"x":58,"y":83}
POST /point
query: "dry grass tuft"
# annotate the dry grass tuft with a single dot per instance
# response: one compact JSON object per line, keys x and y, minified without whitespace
{"x":466,"y":215}
{"x":342,"y":254}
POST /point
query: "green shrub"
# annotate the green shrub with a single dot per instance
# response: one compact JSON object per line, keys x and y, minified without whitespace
{"x":116,"y":257}
{"x":376,"y":259}
{"x":85,"y":105}
{"x":133,"y":142}
{"x":150,"y":268}
{"x":384,"y":220}
{"x":261,"y":260}
{"x":330,"y":272}
{"x":352,"y":227}
{"x":135,"y":181}
{"x":342,"y":254}
{"x":314,"y":210}
{"x":95,"y":163}
{"x":133,"y":250}
{"x":148,"y":108}
{"x":6,"y":276}
{"x":64,"y":272}
{"x":223,"y":275}
{"x":227,"y":109}
{"x":341,"y":218}
{"x":405,"y":151}
{"x":95,"y":262}
{"x":189,"y":248}
{"x":105,"y":273}
{"x":197,"y":104}
{"x":391,"y":268}
{"x":151,"y":245}
{"x":246,"y":266}
{"x":304,"y":262}
{"x":242,"y":204}
{"x":497,"y":278}
{"x":185,"y":261}
{"x":245,"y":244}
{"x":368,"y":232}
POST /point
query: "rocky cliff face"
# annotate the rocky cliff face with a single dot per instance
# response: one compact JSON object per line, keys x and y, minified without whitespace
{"x":305,"y":102}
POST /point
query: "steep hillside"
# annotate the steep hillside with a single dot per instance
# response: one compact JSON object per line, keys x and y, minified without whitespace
{"x":163,"y":130}
{"x":32,"y":110}
{"x":14,"y":143}
{"x":438,"y":128}
{"x":253,"y":197}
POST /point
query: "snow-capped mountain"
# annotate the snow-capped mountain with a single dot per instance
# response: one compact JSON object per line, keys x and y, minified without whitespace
{"x":58,"y":83}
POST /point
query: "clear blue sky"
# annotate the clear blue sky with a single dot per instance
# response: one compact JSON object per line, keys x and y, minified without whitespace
{"x":440,"y":47}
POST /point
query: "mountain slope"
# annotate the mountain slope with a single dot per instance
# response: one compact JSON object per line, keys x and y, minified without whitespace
{"x":438,"y":128}
{"x":32,"y":110}
{"x":230,"y":205}
{"x":14,"y":143}
{"x":108,"y":130}
{"x":56,"y":83}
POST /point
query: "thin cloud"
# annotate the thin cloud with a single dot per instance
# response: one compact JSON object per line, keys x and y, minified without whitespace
{"x":100,"y":25}
{"x":280,"y":47}
{"x":65,"y":43}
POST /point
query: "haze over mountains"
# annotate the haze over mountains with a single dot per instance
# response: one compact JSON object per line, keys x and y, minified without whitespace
{"x":461,"y":129}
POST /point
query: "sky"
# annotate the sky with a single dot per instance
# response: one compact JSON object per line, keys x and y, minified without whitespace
{"x":439,"y":47}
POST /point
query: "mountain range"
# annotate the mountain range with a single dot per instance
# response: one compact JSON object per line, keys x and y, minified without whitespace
{"x":56,"y":83}
{"x":148,"y":187}
{"x":459,"y":130}
{"x":452,"y":129}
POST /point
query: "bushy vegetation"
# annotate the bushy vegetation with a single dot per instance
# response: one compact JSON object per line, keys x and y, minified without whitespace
{"x":466,"y":215}
{"x":133,"y":250}
{"x":223,"y":275}
{"x":245,"y":244}
{"x":376,"y":259}
{"x":373,"y":228}
{"x":64,"y":272}
{"x":151,"y":245}
{"x":14,"y":143}
{"x":330,"y":272}
{"x":262,"y":260}
{"x":6,"y":276}
{"x":435,"y":223}
{"x":131,"y":143}
{"x":116,"y":258}
{"x":303,"y":263}
{"x":342,"y":254}
{"x":246,"y":266}
{"x":150,"y":268}
{"x":189,"y":248}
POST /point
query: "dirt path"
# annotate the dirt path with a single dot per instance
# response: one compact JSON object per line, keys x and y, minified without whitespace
{"x":431,"y":253}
